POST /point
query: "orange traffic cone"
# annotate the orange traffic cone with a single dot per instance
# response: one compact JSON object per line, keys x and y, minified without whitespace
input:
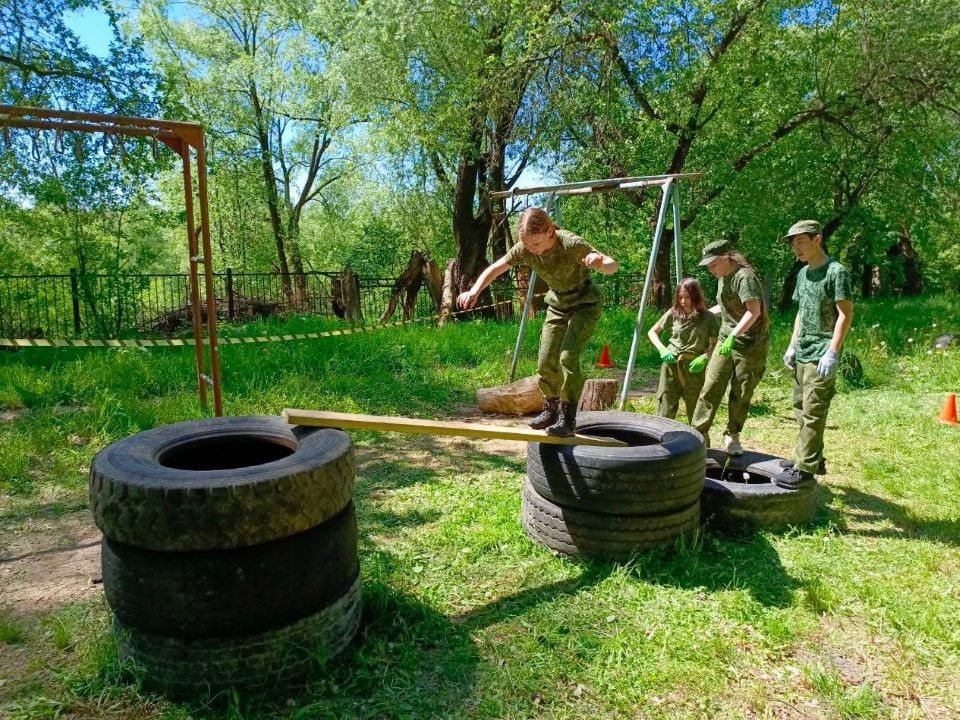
{"x":605,"y":361}
{"x":948,"y":416}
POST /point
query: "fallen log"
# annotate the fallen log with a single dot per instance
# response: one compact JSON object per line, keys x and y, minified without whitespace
{"x":517,"y":398}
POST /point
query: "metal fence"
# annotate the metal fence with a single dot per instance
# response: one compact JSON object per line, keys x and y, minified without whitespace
{"x":78,"y":305}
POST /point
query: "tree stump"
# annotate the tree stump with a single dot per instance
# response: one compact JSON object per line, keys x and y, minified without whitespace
{"x":517,"y":398}
{"x":598,"y":394}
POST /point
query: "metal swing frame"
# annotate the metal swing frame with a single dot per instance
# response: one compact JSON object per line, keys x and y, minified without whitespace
{"x":180,"y":137}
{"x":670,"y":196}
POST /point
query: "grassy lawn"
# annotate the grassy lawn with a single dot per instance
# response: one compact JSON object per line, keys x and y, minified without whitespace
{"x":857,"y":616}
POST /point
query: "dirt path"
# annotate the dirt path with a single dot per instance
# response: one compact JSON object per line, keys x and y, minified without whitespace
{"x":48,"y":563}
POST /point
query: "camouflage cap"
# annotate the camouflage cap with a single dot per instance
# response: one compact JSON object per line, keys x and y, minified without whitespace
{"x":803,"y":227}
{"x":714,"y":250}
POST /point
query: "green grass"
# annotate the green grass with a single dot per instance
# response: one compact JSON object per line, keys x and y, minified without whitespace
{"x":857,"y":616}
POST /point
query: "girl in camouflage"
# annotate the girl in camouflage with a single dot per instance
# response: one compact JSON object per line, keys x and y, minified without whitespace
{"x":573,"y":302}
{"x":693,"y":335}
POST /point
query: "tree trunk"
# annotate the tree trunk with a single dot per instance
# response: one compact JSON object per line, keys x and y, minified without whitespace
{"x":434,"y":280}
{"x":870,"y":280}
{"x":911,"y":264}
{"x":346,"y":296}
{"x":409,"y":282}
{"x":448,"y":297}
{"x":598,"y":394}
{"x":270,"y":188}
{"x":471,"y":235}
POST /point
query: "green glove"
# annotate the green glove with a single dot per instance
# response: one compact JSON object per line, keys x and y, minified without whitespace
{"x":727,"y":345}
{"x":668,"y":357}
{"x":698,"y":363}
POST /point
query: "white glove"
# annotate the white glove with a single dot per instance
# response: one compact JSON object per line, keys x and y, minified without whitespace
{"x":790,"y":358}
{"x":827,"y":365}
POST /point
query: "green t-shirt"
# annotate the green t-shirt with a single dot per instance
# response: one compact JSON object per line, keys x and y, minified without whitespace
{"x":691,"y":334}
{"x":562,"y":267}
{"x":818,"y":292}
{"x":733,"y":291}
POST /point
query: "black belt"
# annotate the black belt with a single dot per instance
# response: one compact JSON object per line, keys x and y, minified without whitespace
{"x":574,"y":291}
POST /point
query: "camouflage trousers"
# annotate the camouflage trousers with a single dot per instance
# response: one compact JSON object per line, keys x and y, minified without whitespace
{"x":742,"y":369}
{"x":566,"y":332}
{"x":678,"y":383}
{"x":811,"y":401}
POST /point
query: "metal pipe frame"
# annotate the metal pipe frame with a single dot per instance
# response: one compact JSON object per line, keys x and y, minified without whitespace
{"x":179,"y":137}
{"x":586,"y":187}
{"x":638,"y":328}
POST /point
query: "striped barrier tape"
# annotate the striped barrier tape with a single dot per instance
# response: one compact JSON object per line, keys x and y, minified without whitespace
{"x":190,"y":342}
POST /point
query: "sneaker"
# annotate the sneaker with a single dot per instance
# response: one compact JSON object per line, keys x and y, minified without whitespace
{"x":731,"y":443}
{"x":793,"y":478}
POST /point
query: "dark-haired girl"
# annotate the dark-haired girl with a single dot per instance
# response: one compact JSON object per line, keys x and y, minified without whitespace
{"x":693,"y":334}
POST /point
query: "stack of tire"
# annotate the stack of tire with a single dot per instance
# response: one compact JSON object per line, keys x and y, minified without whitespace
{"x":741,"y":494}
{"x":608,"y":503}
{"x":229,"y":551}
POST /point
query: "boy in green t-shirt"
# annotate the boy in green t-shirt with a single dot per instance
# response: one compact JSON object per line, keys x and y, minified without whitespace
{"x":693,"y":334}
{"x":564,"y":261}
{"x":826,"y":311}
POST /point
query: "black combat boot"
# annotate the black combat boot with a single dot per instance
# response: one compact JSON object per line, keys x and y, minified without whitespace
{"x":793,"y":478}
{"x":551,"y":410}
{"x":566,"y":424}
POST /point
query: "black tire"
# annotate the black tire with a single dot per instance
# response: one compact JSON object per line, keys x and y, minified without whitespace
{"x":190,"y":668}
{"x":219,"y":483}
{"x":226,"y":593}
{"x":661,"y":471}
{"x":598,"y":535}
{"x":739,"y":494}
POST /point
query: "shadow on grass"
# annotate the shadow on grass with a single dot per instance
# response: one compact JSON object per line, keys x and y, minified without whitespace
{"x":407,"y":660}
{"x":416,"y":461}
{"x":520,"y":602}
{"x":875,"y":514}
{"x":715,"y":564}
{"x":752,"y":565}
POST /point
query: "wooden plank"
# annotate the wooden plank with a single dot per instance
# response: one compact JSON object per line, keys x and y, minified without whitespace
{"x":348,"y":421}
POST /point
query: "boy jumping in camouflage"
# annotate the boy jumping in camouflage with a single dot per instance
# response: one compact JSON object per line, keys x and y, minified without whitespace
{"x":563,"y":260}
{"x":822,"y":322}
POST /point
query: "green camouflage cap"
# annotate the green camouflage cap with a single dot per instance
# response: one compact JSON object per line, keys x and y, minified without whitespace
{"x":803,"y":227}
{"x":714,"y":250}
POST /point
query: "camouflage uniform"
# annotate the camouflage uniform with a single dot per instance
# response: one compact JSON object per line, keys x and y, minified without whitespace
{"x":818,"y":292}
{"x":690,"y":337}
{"x":573,"y":308}
{"x":744,"y":366}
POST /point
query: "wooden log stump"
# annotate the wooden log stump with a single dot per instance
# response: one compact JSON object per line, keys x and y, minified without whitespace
{"x":517,"y":398}
{"x":598,"y":394}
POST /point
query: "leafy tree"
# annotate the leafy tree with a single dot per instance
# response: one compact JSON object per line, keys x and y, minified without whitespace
{"x":459,"y":88}
{"x":795,"y":109}
{"x":251,"y":75}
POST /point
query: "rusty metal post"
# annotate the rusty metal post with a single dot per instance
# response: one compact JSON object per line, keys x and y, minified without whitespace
{"x":194,"y":279}
{"x":180,"y":137}
{"x":208,"y":274}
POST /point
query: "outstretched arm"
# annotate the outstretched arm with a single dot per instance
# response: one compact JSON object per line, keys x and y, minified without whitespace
{"x":468,"y":299}
{"x":601,"y":263}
